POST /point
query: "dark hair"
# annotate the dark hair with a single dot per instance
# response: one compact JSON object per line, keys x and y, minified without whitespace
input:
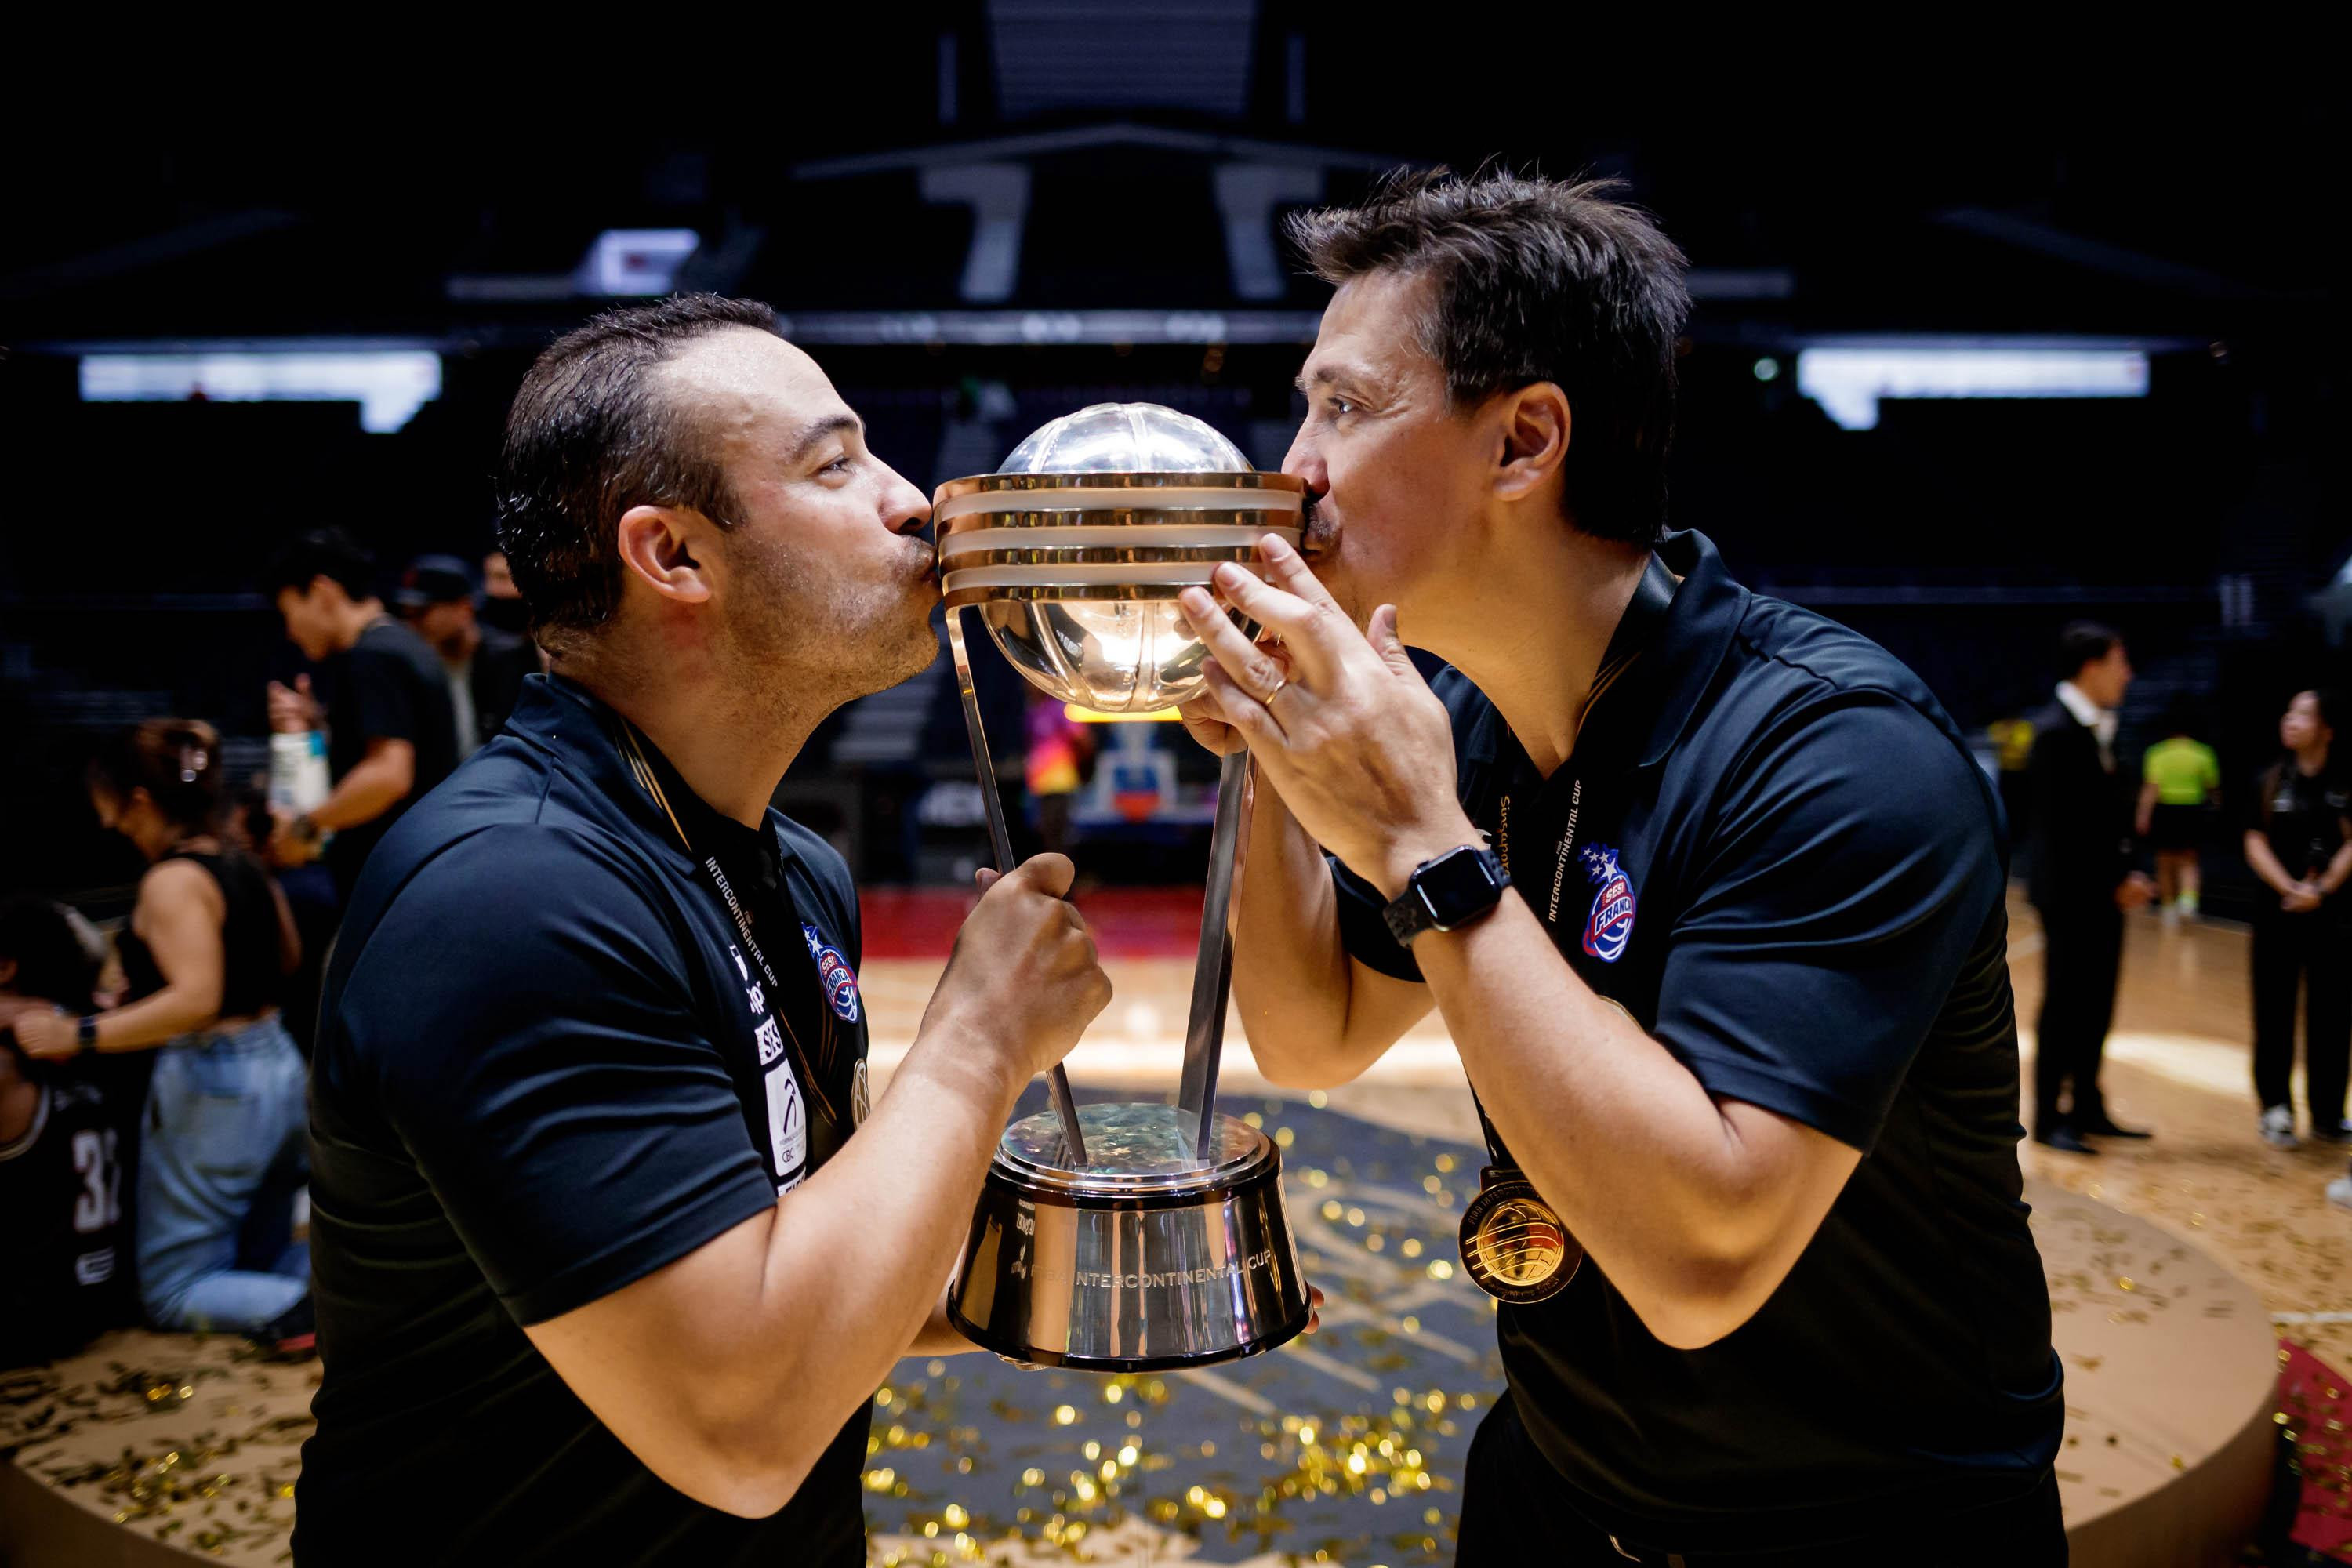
{"x":2330,"y":705}
{"x":2181,"y":717}
{"x":589,"y":436}
{"x":176,"y":761}
{"x":51,"y":963}
{"x":1532,"y":281}
{"x":2083,"y":642}
{"x":328,"y":552}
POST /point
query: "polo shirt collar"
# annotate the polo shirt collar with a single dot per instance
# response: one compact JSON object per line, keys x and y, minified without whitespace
{"x":1670,"y":684}
{"x":1653,"y":701}
{"x":568,"y":719}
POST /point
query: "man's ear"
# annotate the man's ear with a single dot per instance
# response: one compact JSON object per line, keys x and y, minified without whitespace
{"x":658,"y":549}
{"x":7,"y":971}
{"x":1534,"y":439}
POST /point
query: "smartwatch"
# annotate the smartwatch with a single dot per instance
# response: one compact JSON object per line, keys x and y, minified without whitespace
{"x":86,"y":1032}
{"x":1451,"y":890}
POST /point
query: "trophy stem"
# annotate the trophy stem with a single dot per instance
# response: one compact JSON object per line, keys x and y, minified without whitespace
{"x":1212,"y":971}
{"x":999,"y":839}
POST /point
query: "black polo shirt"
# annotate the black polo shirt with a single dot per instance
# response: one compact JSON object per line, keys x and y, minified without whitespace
{"x":2303,"y":816}
{"x":549,"y":1061}
{"x":1773,"y":850}
{"x":390,"y":686}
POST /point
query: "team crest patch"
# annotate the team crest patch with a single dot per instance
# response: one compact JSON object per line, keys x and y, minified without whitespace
{"x":833,"y":972}
{"x":1611,"y":925}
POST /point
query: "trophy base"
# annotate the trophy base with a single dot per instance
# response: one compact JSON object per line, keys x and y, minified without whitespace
{"x":1145,"y":1259}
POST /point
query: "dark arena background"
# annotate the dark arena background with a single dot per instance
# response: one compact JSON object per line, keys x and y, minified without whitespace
{"x":1974,"y":355}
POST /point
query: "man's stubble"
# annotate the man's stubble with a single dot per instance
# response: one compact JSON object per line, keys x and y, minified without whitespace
{"x":805,"y":641}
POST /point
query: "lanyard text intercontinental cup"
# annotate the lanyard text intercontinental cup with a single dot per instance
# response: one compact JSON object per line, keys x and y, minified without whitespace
{"x":1129,"y":1237}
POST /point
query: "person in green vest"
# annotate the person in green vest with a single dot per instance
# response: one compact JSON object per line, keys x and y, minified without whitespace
{"x":2179,"y":776}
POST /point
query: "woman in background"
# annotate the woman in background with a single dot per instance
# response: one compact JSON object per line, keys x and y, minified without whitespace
{"x":206,"y":954}
{"x":2299,"y":842}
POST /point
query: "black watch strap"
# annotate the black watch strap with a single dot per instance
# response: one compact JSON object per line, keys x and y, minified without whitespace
{"x":1446,"y":892}
{"x":86,"y":1032}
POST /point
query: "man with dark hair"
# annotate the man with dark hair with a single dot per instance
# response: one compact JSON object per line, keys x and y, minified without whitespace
{"x":1741,"y":1029}
{"x":391,"y":736}
{"x":484,"y":667}
{"x":590,"y":428}
{"x":594,"y":1229}
{"x":2081,"y":881}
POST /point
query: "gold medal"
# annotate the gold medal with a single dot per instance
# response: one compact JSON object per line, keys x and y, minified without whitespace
{"x":1513,"y":1243}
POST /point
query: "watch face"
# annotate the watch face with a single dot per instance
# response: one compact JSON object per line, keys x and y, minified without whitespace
{"x":1457,"y":885}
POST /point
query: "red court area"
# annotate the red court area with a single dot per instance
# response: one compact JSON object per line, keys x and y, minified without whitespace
{"x":1128,"y":922}
{"x":2313,"y":1408}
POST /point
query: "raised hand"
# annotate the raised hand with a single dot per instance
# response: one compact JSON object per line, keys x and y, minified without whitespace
{"x":295,"y":710}
{"x":1341,"y":723}
{"x":1024,"y":980}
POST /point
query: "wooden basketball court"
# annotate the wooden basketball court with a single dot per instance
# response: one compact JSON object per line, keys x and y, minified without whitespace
{"x":2173,"y":1264}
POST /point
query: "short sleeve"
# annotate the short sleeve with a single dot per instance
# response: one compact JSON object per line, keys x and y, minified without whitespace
{"x":521,"y":1013}
{"x":1851,"y":867}
{"x":1364,"y":929}
{"x":382,"y":686}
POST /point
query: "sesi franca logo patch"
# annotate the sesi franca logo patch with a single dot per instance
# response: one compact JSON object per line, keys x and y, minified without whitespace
{"x":1611,"y":925}
{"x":833,"y":973}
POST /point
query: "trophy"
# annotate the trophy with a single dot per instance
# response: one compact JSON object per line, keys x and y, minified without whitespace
{"x":1129,"y":1237}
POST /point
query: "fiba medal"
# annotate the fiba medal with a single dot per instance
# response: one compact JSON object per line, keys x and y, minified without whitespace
{"x":1513,"y":1243}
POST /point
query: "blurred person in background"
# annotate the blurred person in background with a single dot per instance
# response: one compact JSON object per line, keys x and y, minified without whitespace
{"x":2081,"y":879}
{"x":64,"y":1262}
{"x":2012,"y":744}
{"x":484,"y":665}
{"x":206,"y":953}
{"x":2299,"y":842}
{"x":502,"y":605}
{"x":2180,"y":777}
{"x":610,"y":1256}
{"x":384,"y":701}
{"x":1059,"y":754}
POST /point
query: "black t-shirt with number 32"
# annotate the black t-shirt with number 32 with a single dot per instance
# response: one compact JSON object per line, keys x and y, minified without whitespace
{"x":65,"y":1274}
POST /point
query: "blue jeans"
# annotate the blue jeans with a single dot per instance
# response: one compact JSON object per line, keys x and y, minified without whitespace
{"x":223,"y":1155}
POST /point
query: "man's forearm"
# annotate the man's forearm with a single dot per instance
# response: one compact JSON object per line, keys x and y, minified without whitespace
{"x":937,"y":1336}
{"x":729,"y":1372}
{"x":861,"y":1251}
{"x":1290,"y":973}
{"x":371,"y":788}
{"x":1642,"y":1166}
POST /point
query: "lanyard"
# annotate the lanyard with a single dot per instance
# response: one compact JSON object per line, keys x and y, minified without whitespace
{"x":625,"y":734}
